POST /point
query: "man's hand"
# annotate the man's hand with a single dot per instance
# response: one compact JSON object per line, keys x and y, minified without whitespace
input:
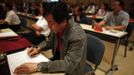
{"x":33,"y":51}
{"x":36,"y":27}
{"x":26,"y":68}
{"x":38,"y":33}
{"x":108,"y":28}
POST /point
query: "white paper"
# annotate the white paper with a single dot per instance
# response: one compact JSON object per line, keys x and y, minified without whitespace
{"x":7,"y":33}
{"x":16,"y":59}
{"x":114,"y":32}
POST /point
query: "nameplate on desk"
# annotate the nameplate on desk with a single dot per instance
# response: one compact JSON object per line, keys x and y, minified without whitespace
{"x":16,"y":59}
{"x":7,"y":33}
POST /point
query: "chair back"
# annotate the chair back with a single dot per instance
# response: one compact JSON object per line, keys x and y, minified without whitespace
{"x":95,"y":49}
{"x":129,"y":29}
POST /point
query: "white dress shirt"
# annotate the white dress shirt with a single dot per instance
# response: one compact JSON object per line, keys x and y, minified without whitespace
{"x":12,"y":18}
{"x":44,"y":25}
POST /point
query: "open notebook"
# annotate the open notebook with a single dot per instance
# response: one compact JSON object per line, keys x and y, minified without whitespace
{"x":21,"y":57}
{"x":7,"y":33}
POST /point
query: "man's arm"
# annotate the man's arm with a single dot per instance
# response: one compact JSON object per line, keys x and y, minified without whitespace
{"x":105,"y":20}
{"x":123,"y":25}
{"x":36,"y":27}
{"x":101,"y":23}
{"x":70,"y":61}
{"x":3,"y":22}
{"x":120,"y":28}
{"x":75,"y":55}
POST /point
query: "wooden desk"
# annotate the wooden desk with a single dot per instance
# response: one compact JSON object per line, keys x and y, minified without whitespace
{"x":107,"y":36}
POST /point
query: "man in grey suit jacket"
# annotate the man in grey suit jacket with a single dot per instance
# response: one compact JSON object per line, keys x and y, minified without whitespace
{"x":68,"y":42}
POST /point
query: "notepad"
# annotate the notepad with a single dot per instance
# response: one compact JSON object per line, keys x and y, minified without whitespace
{"x":21,"y":57}
{"x":7,"y":33}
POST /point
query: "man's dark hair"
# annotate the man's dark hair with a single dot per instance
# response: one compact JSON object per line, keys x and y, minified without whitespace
{"x":80,"y":8}
{"x":58,"y":10}
{"x":121,"y":3}
{"x":9,"y":5}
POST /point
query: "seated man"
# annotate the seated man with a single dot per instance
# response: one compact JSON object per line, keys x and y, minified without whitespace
{"x":117,"y":19}
{"x":103,"y":10}
{"x":40,"y":29}
{"x":41,"y":26}
{"x":68,"y":42}
{"x":79,"y":16}
{"x":11,"y":19}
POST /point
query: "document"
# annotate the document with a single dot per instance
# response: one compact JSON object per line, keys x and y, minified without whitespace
{"x":7,"y":33}
{"x":16,"y":59}
{"x":114,"y":32}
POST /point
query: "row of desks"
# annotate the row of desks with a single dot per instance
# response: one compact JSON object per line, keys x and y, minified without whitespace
{"x":114,"y":37}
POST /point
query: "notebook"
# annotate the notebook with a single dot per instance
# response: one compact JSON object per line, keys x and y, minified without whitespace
{"x":4,"y":33}
{"x":21,"y":57}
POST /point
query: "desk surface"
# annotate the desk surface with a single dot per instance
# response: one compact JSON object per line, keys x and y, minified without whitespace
{"x":10,"y":45}
{"x":11,"y":41}
{"x":117,"y":34}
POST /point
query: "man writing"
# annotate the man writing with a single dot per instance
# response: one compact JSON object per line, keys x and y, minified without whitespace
{"x":68,"y":42}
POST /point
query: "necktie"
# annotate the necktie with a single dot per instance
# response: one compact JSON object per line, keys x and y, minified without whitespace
{"x":59,"y":44}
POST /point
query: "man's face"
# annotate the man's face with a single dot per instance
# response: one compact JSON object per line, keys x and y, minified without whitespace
{"x":53,"y":25}
{"x":76,"y":11}
{"x":116,"y":6}
{"x":102,"y":7}
{"x":41,"y":11}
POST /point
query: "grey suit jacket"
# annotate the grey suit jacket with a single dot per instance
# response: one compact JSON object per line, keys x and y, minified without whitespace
{"x":73,"y":55}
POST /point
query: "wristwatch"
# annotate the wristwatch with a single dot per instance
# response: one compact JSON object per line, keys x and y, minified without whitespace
{"x":39,"y":67}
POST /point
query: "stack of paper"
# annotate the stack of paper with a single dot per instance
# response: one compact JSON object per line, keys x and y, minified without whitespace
{"x":16,"y":59}
{"x":7,"y":33}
